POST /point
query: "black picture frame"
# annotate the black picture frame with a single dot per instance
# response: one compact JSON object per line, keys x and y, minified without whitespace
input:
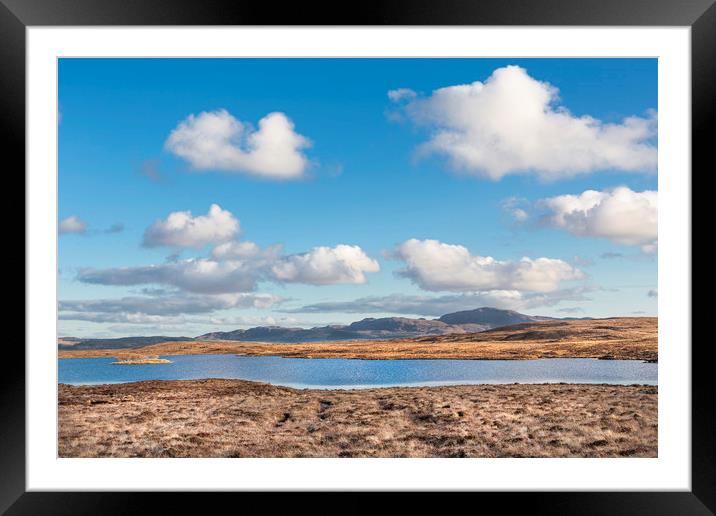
{"x":700,"y":15}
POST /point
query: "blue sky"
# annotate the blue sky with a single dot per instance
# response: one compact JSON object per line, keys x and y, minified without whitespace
{"x":449,"y":167}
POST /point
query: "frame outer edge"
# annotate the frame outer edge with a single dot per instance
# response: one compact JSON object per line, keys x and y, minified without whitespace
{"x":369,"y":12}
{"x":703,"y":112}
{"x":12,"y":139}
{"x":12,"y":102}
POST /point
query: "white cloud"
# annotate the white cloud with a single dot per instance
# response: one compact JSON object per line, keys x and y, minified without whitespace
{"x":437,"y":266}
{"x":157,"y":309}
{"x":571,"y":310}
{"x":72,"y":224}
{"x":619,"y":215}
{"x":440,"y":305}
{"x":235,"y":250}
{"x":217,"y":140}
{"x":114,"y":317}
{"x":234,"y":267}
{"x":326,"y":266}
{"x":582,"y":261}
{"x":519,"y":214}
{"x":182,"y":229}
{"x":401,"y":94}
{"x":511,"y":206}
{"x":229,"y":273}
{"x":244,"y":321}
{"x":198,"y":275}
{"x":512,"y":124}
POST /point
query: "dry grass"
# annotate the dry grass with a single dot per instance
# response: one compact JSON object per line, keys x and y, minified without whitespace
{"x":616,"y":338}
{"x":235,"y":418}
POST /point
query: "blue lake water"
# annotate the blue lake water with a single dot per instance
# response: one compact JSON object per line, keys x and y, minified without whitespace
{"x":340,"y":373}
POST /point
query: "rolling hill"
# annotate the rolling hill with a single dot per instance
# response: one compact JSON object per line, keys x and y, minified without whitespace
{"x":623,"y":338}
{"x":464,"y":322}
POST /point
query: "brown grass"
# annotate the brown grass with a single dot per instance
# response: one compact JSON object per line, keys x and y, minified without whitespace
{"x":617,"y":338}
{"x":236,"y":418}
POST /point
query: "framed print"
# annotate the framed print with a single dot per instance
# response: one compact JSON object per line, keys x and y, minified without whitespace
{"x":423,"y":249}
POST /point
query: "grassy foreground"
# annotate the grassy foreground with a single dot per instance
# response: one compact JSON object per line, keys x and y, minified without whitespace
{"x":630,"y":338}
{"x":236,"y":418}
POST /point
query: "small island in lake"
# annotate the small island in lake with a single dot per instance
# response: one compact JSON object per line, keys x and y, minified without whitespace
{"x":142,"y":360}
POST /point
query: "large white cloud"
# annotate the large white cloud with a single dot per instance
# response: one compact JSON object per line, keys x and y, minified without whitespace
{"x":620,"y":215}
{"x":326,"y":266}
{"x":182,"y":229}
{"x":434,"y":265}
{"x":72,"y":224}
{"x":512,"y":123}
{"x":217,"y":140}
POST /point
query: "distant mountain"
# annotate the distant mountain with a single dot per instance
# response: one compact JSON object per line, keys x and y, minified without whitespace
{"x":492,"y":317}
{"x":69,"y":341}
{"x":468,"y":321}
{"x":119,"y":343}
{"x":370,"y":328}
{"x":398,"y":325}
{"x":282,"y":334}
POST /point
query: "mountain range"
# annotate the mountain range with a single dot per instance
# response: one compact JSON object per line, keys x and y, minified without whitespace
{"x":468,"y":321}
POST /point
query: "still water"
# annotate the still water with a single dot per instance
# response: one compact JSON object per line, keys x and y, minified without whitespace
{"x":340,"y":373}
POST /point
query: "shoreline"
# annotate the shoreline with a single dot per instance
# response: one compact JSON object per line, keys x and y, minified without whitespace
{"x":351,"y":388}
{"x":238,"y":418}
{"x":110,"y":353}
{"x":404,"y":349}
